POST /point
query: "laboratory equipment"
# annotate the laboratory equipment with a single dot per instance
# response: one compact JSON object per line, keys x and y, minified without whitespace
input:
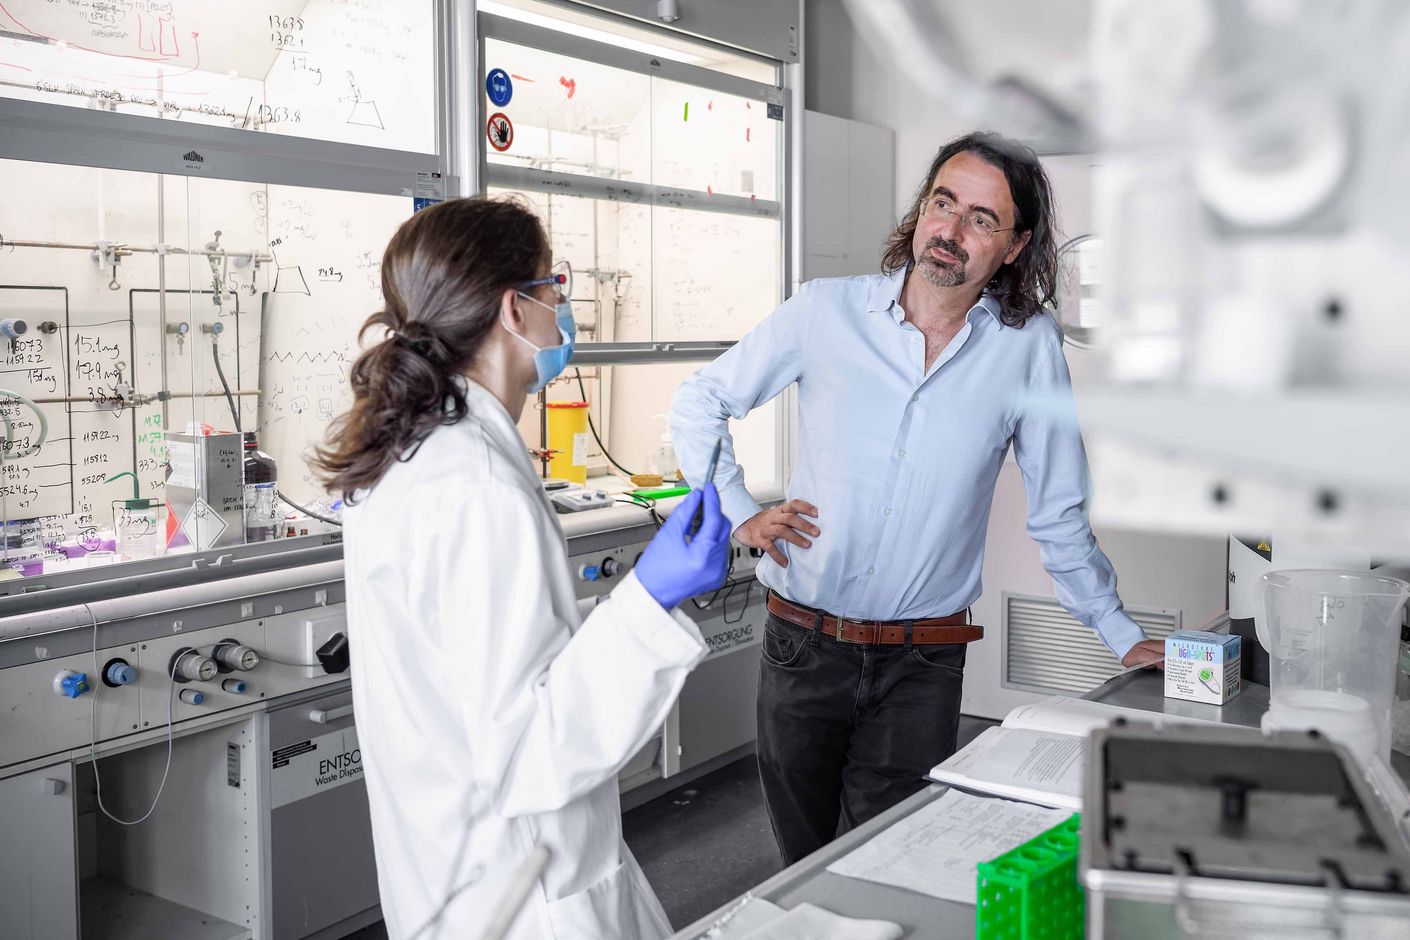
{"x":140,"y":528}
{"x":1212,"y":830}
{"x":662,"y":458}
{"x":568,"y":439}
{"x":261,"y":493}
{"x":205,"y":489}
{"x":1332,"y":639}
{"x":581,"y":500}
{"x":1031,"y":891}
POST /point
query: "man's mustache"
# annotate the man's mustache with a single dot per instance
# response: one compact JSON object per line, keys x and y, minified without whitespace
{"x":951,"y":248}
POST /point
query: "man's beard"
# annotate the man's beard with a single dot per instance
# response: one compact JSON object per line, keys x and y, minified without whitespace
{"x":942,"y":275}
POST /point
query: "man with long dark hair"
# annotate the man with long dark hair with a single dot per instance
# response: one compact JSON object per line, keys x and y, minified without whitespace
{"x":912,"y":385}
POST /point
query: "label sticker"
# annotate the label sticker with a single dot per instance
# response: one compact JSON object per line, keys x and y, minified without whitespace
{"x":304,"y":768}
{"x":499,"y":87}
{"x":430,"y":189}
{"x":775,"y":112}
{"x":430,"y":185}
{"x":500,"y":131}
{"x":202,"y":524}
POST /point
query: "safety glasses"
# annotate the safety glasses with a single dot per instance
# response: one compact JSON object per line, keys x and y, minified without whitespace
{"x":560,"y":276}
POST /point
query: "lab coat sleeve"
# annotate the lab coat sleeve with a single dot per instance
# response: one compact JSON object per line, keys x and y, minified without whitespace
{"x":752,"y":372}
{"x":1050,"y":455}
{"x":551,"y":713}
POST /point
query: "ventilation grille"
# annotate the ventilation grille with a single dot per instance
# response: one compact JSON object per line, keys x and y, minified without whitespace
{"x":1046,"y":650}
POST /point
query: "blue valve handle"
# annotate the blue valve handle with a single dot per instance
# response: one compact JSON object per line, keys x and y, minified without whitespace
{"x":675,"y":566}
{"x":74,"y":685}
{"x":120,"y":674}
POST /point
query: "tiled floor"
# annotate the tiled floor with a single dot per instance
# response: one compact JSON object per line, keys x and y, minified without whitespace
{"x":707,"y":842}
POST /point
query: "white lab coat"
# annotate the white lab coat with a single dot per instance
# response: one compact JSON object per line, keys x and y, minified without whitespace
{"x":483,"y":701}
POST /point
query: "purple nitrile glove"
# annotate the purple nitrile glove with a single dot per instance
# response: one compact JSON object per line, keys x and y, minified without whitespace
{"x":672,"y":569}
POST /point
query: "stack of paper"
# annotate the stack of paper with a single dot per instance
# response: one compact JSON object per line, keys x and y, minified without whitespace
{"x":937,"y":849}
{"x":757,"y":919}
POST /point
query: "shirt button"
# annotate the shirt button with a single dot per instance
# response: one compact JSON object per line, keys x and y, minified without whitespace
{"x":871,"y":570}
{"x":901,"y":454}
{"x":887,"y":511}
{"x":915,"y":398}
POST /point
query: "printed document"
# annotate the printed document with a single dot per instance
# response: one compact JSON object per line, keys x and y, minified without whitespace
{"x":1037,"y":753}
{"x":937,"y":849}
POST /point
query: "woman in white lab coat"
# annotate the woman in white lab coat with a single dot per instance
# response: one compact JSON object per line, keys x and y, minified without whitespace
{"x":492,"y":719}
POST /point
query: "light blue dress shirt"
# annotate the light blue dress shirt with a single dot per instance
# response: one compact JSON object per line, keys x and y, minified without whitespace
{"x":902,"y":462}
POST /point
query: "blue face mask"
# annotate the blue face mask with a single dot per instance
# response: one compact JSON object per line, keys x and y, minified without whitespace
{"x":550,"y":361}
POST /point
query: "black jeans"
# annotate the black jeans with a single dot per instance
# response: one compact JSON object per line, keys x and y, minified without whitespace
{"x":847,"y":731}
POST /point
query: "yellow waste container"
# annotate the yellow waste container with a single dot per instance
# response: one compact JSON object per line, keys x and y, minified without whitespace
{"x":568,"y":437}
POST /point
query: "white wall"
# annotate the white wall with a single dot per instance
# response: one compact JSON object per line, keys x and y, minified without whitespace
{"x":848,"y":78}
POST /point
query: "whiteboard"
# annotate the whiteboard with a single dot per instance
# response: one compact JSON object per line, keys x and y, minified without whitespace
{"x":352,"y":71}
{"x":325,"y":283}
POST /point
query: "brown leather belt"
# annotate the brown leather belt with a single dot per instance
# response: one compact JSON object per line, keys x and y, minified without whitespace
{"x":951,"y":629}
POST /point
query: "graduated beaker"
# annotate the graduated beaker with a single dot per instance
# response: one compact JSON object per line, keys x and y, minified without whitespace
{"x":1332,"y":639}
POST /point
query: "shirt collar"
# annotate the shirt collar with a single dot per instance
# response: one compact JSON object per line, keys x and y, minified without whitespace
{"x":885,"y":295}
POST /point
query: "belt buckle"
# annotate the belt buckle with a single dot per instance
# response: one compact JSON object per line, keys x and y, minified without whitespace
{"x":842,"y":629}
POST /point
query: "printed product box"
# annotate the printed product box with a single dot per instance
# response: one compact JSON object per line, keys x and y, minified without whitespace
{"x":1202,"y":667}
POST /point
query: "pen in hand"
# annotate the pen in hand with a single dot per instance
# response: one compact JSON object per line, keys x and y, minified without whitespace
{"x":699,"y":518}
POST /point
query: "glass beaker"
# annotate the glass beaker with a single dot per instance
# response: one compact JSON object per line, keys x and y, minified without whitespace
{"x":1332,"y":639}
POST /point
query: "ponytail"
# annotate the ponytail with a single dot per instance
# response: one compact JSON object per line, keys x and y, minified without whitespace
{"x":442,"y":277}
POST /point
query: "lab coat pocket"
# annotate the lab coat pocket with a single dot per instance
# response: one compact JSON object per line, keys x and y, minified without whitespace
{"x":608,"y":909}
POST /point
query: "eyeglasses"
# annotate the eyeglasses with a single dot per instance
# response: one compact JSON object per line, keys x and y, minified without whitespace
{"x":560,"y":276}
{"x":942,"y":208}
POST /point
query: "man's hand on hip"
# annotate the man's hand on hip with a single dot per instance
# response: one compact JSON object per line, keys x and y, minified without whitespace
{"x":1144,"y":653}
{"x":786,"y":522}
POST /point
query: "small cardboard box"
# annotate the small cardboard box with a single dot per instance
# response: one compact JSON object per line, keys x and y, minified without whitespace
{"x":1202,"y":667}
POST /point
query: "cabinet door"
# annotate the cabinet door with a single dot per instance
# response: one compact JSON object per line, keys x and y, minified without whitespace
{"x":38,"y":865}
{"x":322,"y":868}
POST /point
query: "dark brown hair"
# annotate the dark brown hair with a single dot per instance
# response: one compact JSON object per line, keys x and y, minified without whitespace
{"x":1030,"y":282}
{"x":443,"y":274}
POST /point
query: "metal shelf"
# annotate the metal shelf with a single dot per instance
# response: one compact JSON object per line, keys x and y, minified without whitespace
{"x":112,"y":911}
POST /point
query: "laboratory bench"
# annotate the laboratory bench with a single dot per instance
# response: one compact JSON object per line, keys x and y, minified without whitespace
{"x":921,"y":916}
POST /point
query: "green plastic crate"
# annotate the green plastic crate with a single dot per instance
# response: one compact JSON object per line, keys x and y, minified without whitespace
{"x":1031,"y":892}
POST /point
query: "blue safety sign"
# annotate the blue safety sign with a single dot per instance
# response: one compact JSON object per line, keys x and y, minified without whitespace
{"x":499,"y":87}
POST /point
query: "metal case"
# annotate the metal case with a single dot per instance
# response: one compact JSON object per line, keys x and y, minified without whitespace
{"x":1224,"y":832}
{"x":206,"y":488}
